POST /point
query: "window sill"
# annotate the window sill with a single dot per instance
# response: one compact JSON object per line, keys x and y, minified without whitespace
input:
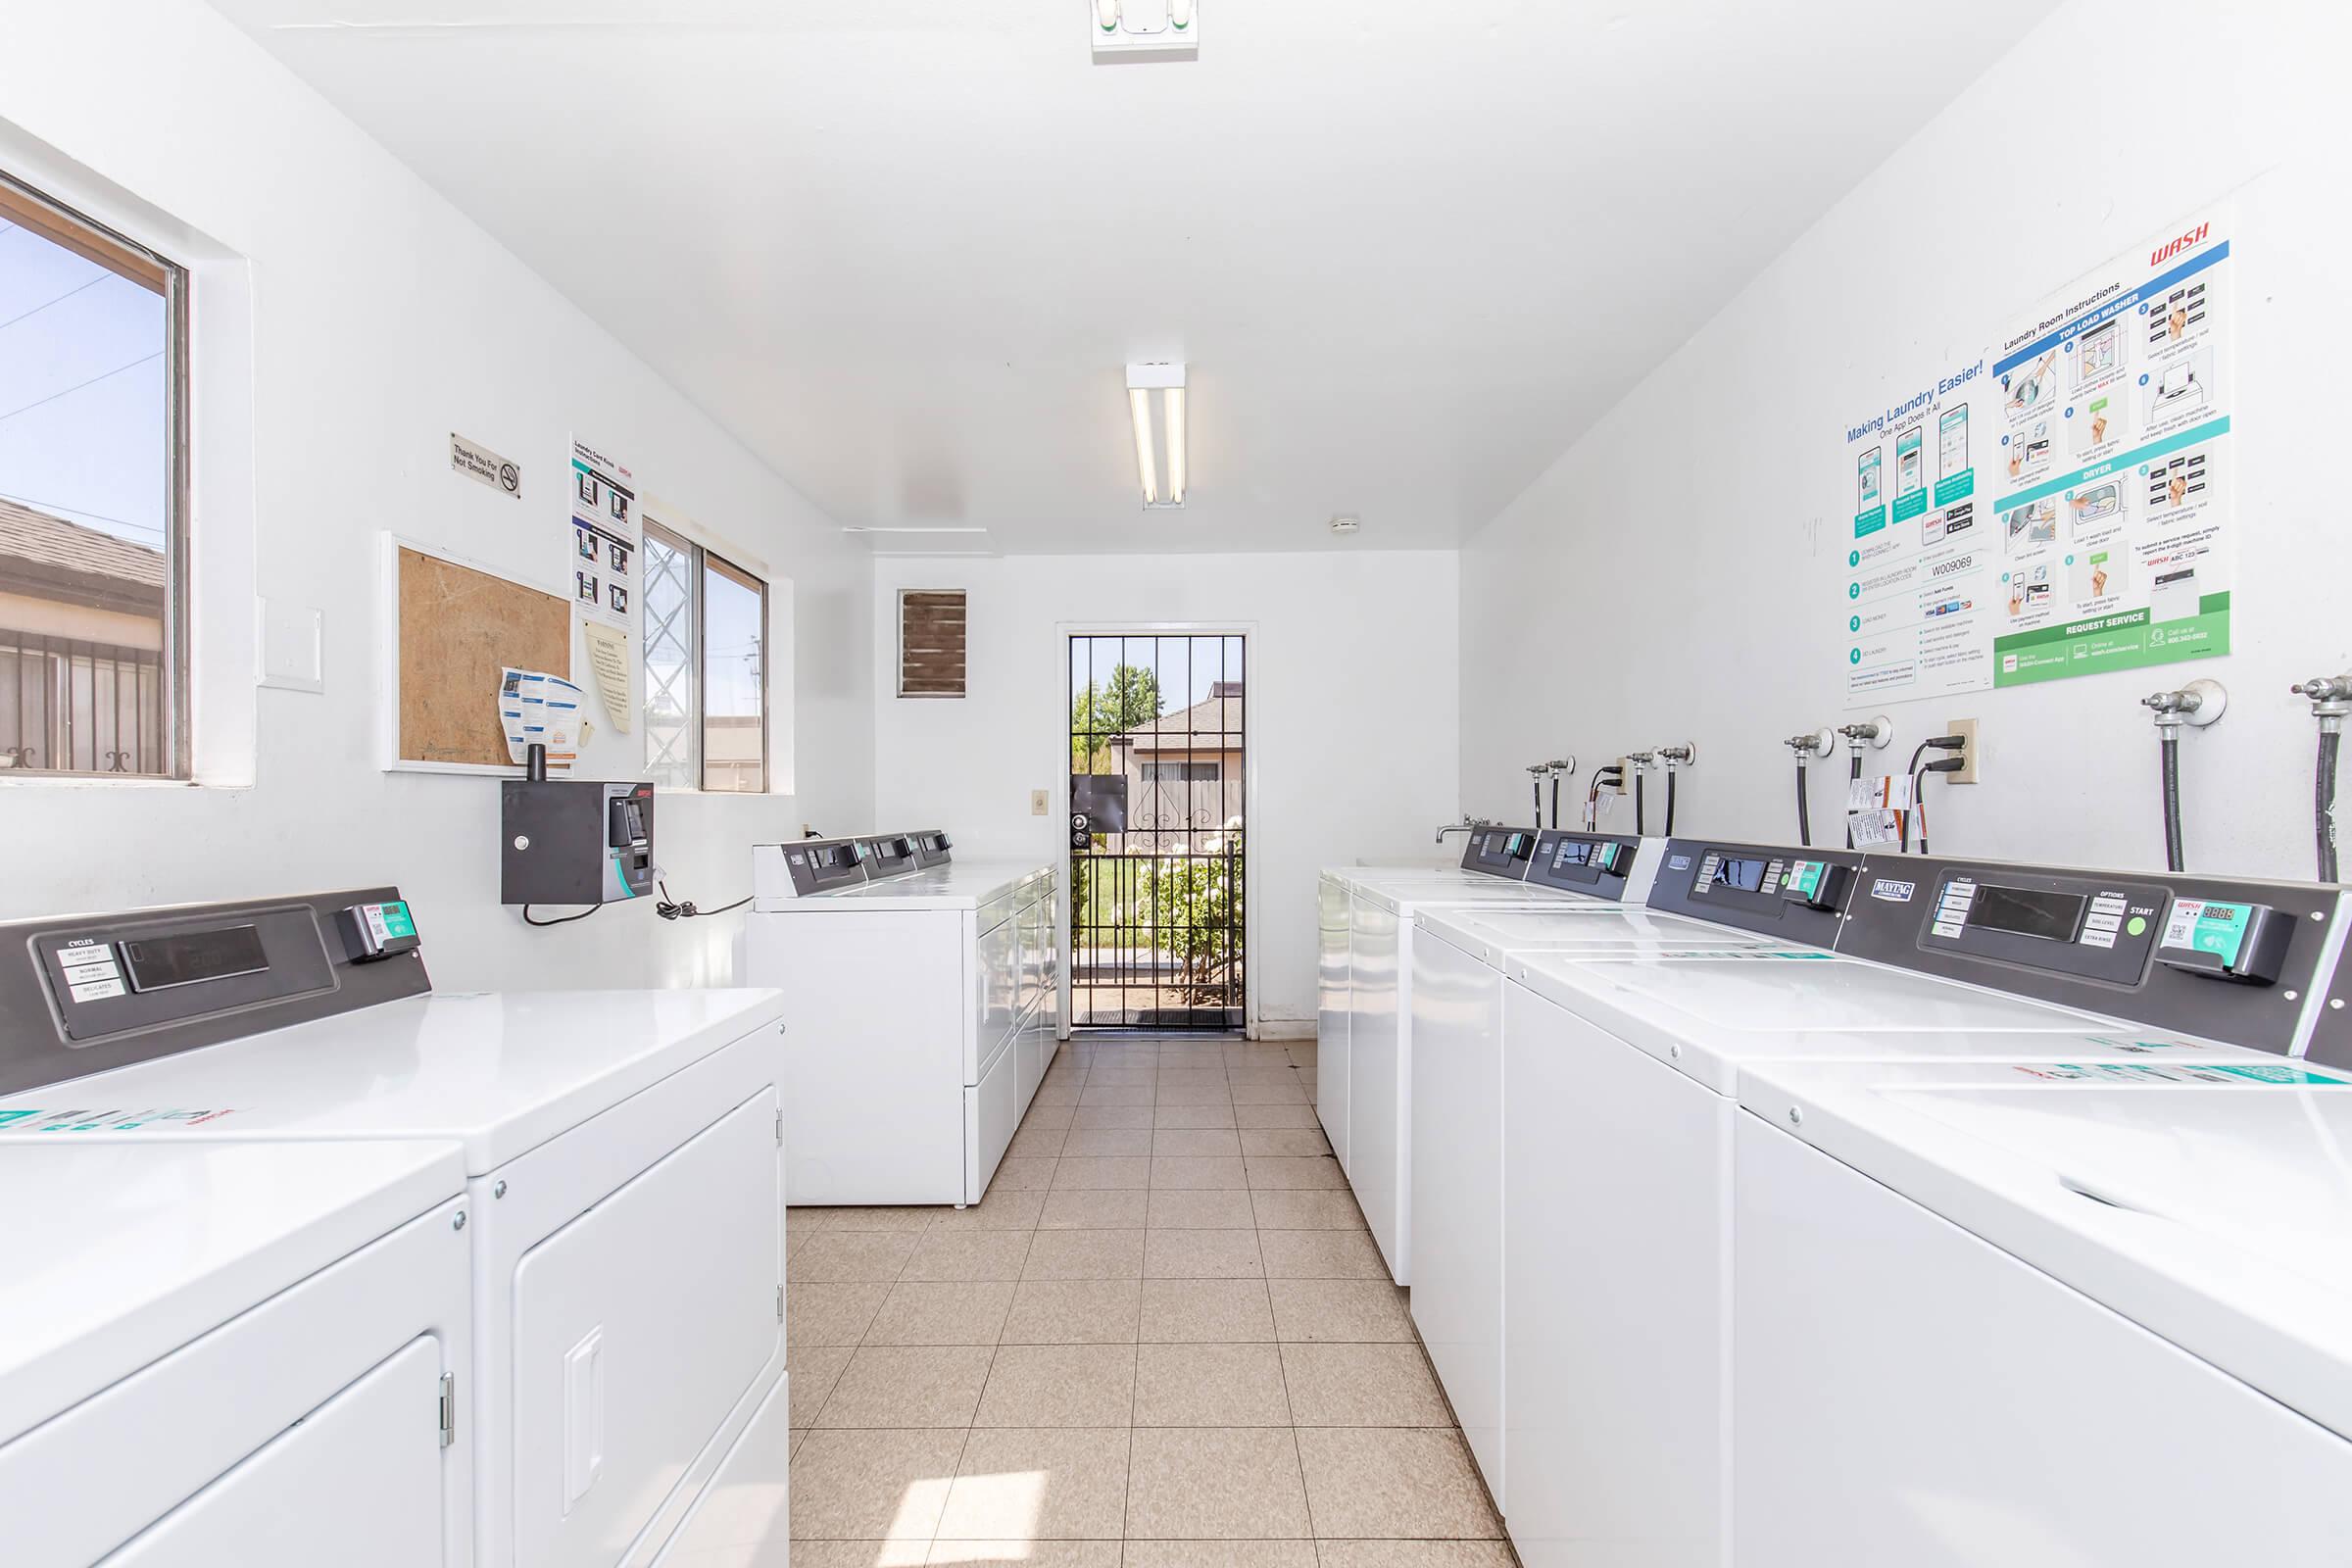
{"x":12,"y":780}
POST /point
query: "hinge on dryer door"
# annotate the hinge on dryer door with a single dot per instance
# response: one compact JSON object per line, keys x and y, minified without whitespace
{"x":449,"y":1408}
{"x":779,"y":1303}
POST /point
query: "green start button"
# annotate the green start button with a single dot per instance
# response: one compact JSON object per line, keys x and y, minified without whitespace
{"x":2137,"y":925}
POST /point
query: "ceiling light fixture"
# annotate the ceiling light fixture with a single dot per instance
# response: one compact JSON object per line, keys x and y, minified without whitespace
{"x":1168,"y":382}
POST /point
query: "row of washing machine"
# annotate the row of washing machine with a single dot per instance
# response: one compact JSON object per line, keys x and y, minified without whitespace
{"x":1800,"y":1207}
{"x":922,"y":993}
{"x":307,"y":1264}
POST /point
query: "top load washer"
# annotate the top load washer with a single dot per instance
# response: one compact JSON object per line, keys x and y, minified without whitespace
{"x":1365,"y":1084}
{"x":1617,"y":1133}
{"x":216,"y":1352}
{"x":1979,"y":1309}
{"x":1458,"y":1087}
{"x":623,"y":1162}
{"x":923,"y":993}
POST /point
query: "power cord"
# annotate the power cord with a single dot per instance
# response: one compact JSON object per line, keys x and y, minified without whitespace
{"x":1919,"y":781}
{"x":561,"y":919}
{"x":684,"y":909}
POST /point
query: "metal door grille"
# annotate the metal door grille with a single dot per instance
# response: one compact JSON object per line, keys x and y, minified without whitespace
{"x":1158,"y":898}
{"x":68,"y":705}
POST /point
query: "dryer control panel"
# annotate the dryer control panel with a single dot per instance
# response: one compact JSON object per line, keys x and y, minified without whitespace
{"x":819,"y":866}
{"x":891,"y":854}
{"x":2228,"y":958}
{"x":1796,"y":895}
{"x":85,"y":993}
{"x":1502,"y":852}
{"x":1598,"y":864}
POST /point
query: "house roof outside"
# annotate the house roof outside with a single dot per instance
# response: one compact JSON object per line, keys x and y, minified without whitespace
{"x":1212,"y":724}
{"x":57,"y":558}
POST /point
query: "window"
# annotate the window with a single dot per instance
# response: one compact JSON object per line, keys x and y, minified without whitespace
{"x":706,"y":669}
{"x":93,"y":550}
{"x":931,"y":642}
{"x":1182,"y":772}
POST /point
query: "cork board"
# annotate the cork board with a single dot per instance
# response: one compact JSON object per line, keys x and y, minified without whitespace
{"x":457,"y":628}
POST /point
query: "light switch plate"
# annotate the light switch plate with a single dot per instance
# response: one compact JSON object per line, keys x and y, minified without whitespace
{"x":1039,"y":803}
{"x":292,"y":644}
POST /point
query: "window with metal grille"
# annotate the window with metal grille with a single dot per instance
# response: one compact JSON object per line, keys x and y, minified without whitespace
{"x":931,"y":642}
{"x":705,"y":669}
{"x":93,"y":480}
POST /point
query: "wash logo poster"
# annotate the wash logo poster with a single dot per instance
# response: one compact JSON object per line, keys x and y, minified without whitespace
{"x":2073,"y":512}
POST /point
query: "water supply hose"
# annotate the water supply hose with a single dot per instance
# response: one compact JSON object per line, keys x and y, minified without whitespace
{"x":1670,"y":771}
{"x":1639,"y":808}
{"x":2324,"y":803}
{"x":1804,"y":815}
{"x":2169,"y":744}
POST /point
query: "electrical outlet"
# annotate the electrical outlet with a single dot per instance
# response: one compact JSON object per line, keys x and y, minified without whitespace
{"x":1623,"y":784}
{"x":1040,"y":802}
{"x":1966,"y":729}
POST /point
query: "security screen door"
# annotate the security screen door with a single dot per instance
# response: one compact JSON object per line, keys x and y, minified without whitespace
{"x":1157,"y":912}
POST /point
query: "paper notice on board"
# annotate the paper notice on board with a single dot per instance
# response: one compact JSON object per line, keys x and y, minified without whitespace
{"x":535,"y":707}
{"x":610,"y":664}
{"x":603,"y":541}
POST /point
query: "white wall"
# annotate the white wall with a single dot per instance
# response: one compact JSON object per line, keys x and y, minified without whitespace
{"x":381,"y":320}
{"x":1351,"y":711}
{"x":1666,"y":578}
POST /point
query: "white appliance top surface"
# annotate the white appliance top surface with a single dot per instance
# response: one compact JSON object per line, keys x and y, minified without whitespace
{"x":121,"y":1252}
{"x":1594,"y":926}
{"x":2213,"y":1207}
{"x":1406,"y":897}
{"x":956,"y":885}
{"x":1709,"y":1013}
{"x":501,"y":1072}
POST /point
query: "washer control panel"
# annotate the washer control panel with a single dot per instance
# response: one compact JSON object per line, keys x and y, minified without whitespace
{"x":1799,"y":895}
{"x":889,"y":855}
{"x":1598,"y":864}
{"x":2227,"y":958}
{"x":819,"y":866}
{"x":931,"y":848}
{"x":1502,"y":852}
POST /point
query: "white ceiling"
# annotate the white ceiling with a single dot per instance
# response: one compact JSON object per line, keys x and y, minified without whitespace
{"x":903,"y":248}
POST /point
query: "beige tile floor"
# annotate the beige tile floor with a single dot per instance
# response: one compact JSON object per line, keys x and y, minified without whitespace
{"x":1163,"y":1340}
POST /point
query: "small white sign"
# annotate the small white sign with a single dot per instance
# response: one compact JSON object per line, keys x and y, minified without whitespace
{"x":479,"y":461}
{"x":1874,"y":828}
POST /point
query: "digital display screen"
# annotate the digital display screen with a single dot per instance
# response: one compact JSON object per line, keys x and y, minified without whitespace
{"x":839,"y":854}
{"x":2024,"y":912}
{"x":1572,"y":851}
{"x":1747,"y":875}
{"x":158,"y":964}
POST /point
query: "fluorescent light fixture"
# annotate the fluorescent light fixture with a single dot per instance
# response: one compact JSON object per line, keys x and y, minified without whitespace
{"x":1168,"y":382}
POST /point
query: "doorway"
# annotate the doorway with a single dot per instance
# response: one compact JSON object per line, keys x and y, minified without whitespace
{"x":1158,"y":838}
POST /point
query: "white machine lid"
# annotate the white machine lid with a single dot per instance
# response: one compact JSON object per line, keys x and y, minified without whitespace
{"x":120,"y":1253}
{"x":2215,"y":1211}
{"x":501,"y":1072}
{"x":1593,"y":925}
{"x":1707,"y":1013}
{"x":957,"y":885}
{"x":1406,"y":897}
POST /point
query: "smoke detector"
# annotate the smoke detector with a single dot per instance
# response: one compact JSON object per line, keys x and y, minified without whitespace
{"x":1144,"y":30}
{"x":1343,"y":526}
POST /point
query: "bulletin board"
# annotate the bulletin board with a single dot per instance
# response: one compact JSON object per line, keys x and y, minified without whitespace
{"x":456,"y":627}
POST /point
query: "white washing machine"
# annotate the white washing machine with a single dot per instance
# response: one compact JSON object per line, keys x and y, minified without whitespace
{"x":1984,"y":1315}
{"x":1378,"y":1057}
{"x":221,"y":1353}
{"x":1488,"y":855}
{"x":1455,"y":1199}
{"x":923,"y":995}
{"x":1620,"y":1080}
{"x":623,"y":1160}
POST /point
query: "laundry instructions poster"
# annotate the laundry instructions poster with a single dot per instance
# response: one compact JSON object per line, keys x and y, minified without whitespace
{"x":602,"y":556}
{"x":1915,"y":578}
{"x":2061,"y":504}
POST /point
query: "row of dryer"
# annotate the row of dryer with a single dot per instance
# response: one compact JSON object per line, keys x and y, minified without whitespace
{"x":307,"y":1263}
{"x":1786,"y":1207}
{"x":922,"y":993}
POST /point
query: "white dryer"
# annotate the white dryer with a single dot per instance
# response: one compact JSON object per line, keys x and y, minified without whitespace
{"x":220,"y":1352}
{"x":1623,"y":1078}
{"x":923,"y":995}
{"x":1984,"y":1314}
{"x":623,"y":1161}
